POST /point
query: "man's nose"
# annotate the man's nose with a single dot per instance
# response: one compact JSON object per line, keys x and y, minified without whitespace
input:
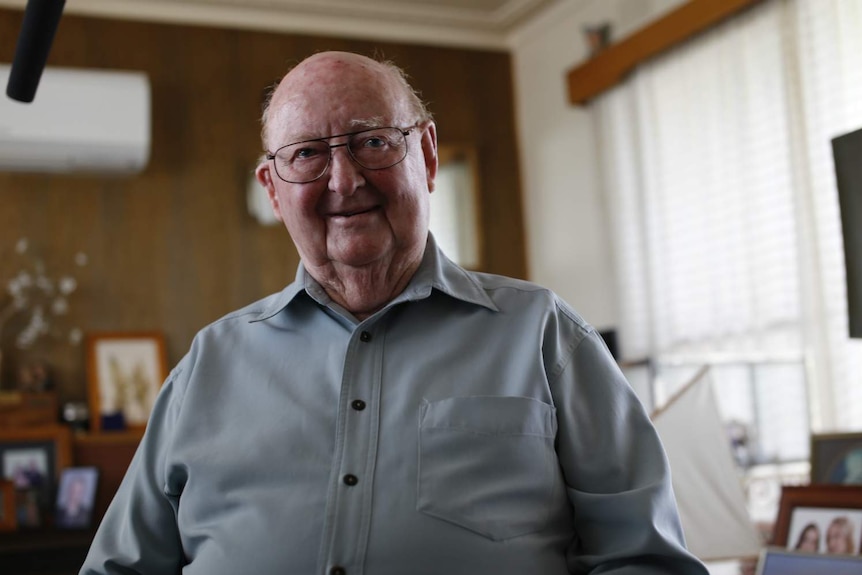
{"x":345,"y":175}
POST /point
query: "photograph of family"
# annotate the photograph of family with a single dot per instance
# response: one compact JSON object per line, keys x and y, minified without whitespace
{"x":822,"y":530}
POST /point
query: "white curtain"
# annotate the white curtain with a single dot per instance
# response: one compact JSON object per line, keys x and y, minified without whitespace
{"x":722,"y":202}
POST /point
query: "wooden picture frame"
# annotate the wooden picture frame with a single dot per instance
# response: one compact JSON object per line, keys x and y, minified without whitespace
{"x":8,"y":517}
{"x":125,"y":371}
{"x":824,"y":506}
{"x":32,"y":458}
{"x":836,"y":458}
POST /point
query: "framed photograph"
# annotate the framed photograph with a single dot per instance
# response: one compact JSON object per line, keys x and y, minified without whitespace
{"x":124,"y":372}
{"x":836,"y":458}
{"x":31,"y":458}
{"x":76,"y":497}
{"x":8,"y":518}
{"x":820,"y":519}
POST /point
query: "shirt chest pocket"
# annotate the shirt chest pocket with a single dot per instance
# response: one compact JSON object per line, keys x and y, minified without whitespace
{"x":488,"y":463}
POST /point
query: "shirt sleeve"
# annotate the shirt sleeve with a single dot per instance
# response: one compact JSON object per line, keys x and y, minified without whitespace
{"x":139,"y":533}
{"x":616,"y":472}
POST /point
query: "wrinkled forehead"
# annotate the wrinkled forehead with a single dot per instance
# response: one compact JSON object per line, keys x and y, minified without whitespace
{"x":335,"y":95}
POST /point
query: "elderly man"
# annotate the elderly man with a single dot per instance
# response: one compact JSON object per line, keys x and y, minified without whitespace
{"x":388,"y":412}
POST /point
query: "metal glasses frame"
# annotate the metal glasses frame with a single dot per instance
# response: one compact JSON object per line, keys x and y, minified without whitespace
{"x":404,"y":132}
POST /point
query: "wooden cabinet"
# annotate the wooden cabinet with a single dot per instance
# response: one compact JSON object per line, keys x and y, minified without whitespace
{"x":43,"y":551}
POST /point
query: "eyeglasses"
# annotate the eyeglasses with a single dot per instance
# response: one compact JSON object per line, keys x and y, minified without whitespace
{"x":373,"y":149}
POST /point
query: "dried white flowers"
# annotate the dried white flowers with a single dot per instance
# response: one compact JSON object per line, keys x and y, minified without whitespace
{"x":40,"y":298}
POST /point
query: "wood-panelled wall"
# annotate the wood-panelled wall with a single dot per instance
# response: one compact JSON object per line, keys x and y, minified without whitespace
{"x":174,"y":248}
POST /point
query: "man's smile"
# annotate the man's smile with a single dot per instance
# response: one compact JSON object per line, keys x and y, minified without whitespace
{"x":353,"y":212}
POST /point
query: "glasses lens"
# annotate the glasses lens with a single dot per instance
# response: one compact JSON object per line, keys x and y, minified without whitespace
{"x":302,"y":162}
{"x":379,"y":148}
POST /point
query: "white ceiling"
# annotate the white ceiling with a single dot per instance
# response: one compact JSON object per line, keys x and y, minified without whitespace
{"x":468,"y":23}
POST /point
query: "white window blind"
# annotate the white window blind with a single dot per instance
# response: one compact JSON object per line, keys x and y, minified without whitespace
{"x":712,"y":208}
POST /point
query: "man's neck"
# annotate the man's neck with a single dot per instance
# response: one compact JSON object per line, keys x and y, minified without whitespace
{"x":367,"y":289}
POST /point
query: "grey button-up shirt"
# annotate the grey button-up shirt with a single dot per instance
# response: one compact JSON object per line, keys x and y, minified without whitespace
{"x":475,"y":425}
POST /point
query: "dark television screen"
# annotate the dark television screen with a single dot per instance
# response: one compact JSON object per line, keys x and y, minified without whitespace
{"x":847,"y":152}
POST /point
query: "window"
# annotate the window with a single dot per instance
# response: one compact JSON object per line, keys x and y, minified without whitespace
{"x":724,"y":211}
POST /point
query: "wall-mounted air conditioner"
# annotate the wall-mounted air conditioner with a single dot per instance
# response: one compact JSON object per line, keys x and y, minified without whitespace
{"x":80,"y":121}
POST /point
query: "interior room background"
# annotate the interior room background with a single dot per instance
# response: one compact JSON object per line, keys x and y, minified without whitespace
{"x":174,"y":248}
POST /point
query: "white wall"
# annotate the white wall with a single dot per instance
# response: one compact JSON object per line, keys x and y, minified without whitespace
{"x":568,"y":244}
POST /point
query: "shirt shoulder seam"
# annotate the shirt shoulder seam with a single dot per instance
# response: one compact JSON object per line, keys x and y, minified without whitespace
{"x":584,"y":330}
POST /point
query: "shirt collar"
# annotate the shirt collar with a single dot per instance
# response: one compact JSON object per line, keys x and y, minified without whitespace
{"x":435,"y":272}
{"x":439,"y":272}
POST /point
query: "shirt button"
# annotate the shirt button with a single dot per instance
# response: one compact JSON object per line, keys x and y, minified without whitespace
{"x":357,"y":404}
{"x":350,"y":479}
{"x":338,"y":571}
{"x":365,"y":336}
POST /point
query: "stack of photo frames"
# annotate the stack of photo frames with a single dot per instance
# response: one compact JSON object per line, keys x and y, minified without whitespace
{"x":38,"y":486}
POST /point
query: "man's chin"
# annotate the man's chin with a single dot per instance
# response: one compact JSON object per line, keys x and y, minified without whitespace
{"x":359,"y":254}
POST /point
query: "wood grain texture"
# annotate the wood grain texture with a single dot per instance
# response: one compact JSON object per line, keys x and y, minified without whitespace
{"x":173,"y":249}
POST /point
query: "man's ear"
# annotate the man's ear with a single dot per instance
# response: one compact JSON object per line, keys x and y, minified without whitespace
{"x":264,"y":176}
{"x":429,"y":149}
